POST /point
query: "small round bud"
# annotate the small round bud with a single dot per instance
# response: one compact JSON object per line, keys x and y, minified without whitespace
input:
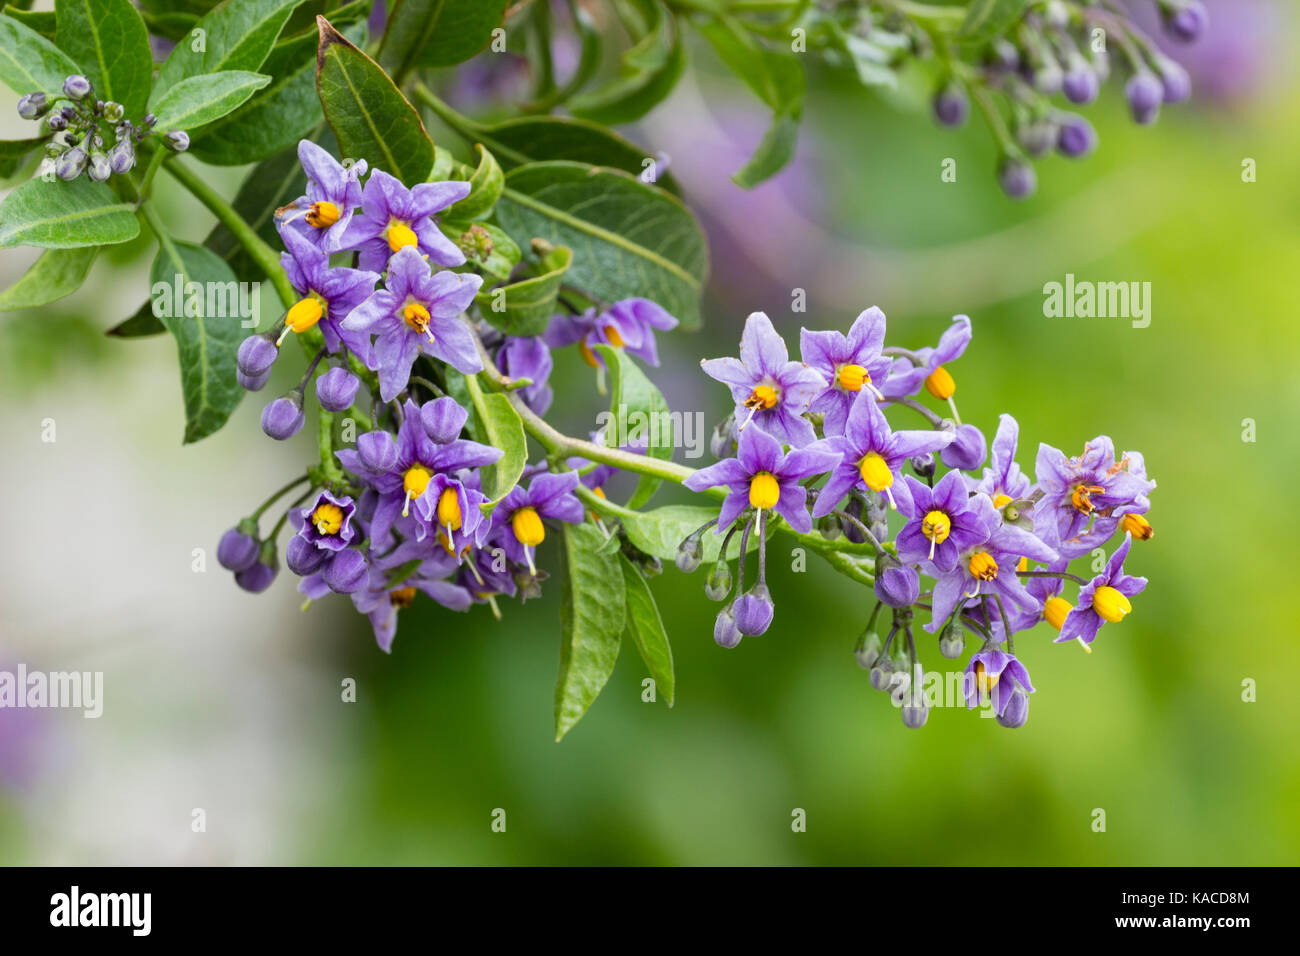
{"x":651,"y":566}
{"x":1017,"y":710}
{"x":868,"y":650}
{"x":257,"y":577}
{"x":1076,"y":137}
{"x":122,"y":156}
{"x":149,"y":120}
{"x":177,"y":140}
{"x":690,"y":553}
{"x":237,"y":550}
{"x":1144,"y":94}
{"x":303,"y":557}
{"x":951,"y":105}
{"x":1003,"y":55}
{"x":882,"y":673}
{"x":283,"y":418}
{"x":252,"y":383}
{"x":1037,"y":138}
{"x":345,"y":572}
{"x":915,"y":712}
{"x":1017,"y":179}
{"x":57,"y":123}
{"x":256,"y":354}
{"x":718,"y":583}
{"x":1048,"y":78}
{"x":443,"y":418}
{"x":112,"y":112}
{"x":33,"y":106}
{"x":72,"y":163}
{"x":829,"y":527}
{"x":98,"y":169}
{"x":1174,"y":81}
{"x":1056,"y":15}
{"x":967,"y":451}
{"x":1186,"y":20}
{"x":76,"y":87}
{"x":1081,"y":85}
{"x":725,"y":632}
{"x":896,"y":584}
{"x":754,"y":611}
{"x":337,"y":389}
{"x":952,"y":641}
{"x":377,"y":451}
{"x":922,"y":465}
{"x":722,"y":441}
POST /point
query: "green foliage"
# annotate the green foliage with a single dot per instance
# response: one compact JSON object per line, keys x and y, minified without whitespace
{"x":527,"y":305}
{"x":58,"y":272}
{"x":196,"y":100}
{"x":437,"y":32}
{"x":486,"y":184}
{"x":110,"y":42}
{"x":648,"y":70}
{"x":29,"y":62}
{"x":986,"y":19}
{"x":498,"y":425}
{"x":59,"y":215}
{"x":639,"y":411}
{"x":237,"y":35}
{"x":646,"y":628}
{"x":14,"y":152}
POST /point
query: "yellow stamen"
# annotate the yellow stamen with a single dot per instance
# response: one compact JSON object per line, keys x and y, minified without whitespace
{"x":449,"y":515}
{"x":417,"y":317}
{"x":1001,"y":501}
{"x":446,"y":544}
{"x":853,"y":377}
{"x":763,"y":396}
{"x":940,"y":384}
{"x":587,"y":354}
{"x":1081,"y":497}
{"x":400,"y":235}
{"x":764,"y":492}
{"x":1055,"y":611}
{"x":936,"y":526}
{"x":615,"y":338}
{"x":875,"y":472}
{"x":401,"y":597}
{"x":528,"y":527}
{"x":302,"y":315}
{"x":982,"y":566}
{"x":984,"y":680}
{"x":1110,"y":604}
{"x":414,"y":482}
{"x":1138,"y":526}
{"x":322,"y":215}
{"x":599,"y":493}
{"x":327,"y":518}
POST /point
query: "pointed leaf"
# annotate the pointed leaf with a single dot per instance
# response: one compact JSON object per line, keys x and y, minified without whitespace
{"x":59,"y":215}
{"x":437,"y":32}
{"x":110,"y":41}
{"x":527,"y":306}
{"x":58,"y":272}
{"x":499,"y":425}
{"x":14,"y":153}
{"x":637,"y":410}
{"x":661,"y":530}
{"x":647,"y":629}
{"x":29,"y":62}
{"x":201,"y":99}
{"x":237,"y":35}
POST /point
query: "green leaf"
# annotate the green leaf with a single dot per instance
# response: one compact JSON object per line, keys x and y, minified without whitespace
{"x":628,"y":238}
{"x":437,"y":32}
{"x":499,"y":425}
{"x":110,"y":41}
{"x":201,"y":99}
{"x":647,"y":629}
{"x":58,"y":272}
{"x":14,"y":152}
{"x":501,"y":261}
{"x":369,"y":115}
{"x":592,"y":615}
{"x":237,"y":35}
{"x":42,"y":21}
{"x":59,"y":215}
{"x":276,"y":117}
{"x":987,"y":18}
{"x":206,"y":341}
{"x":774,"y":152}
{"x":143,"y":323}
{"x":638,"y":410}
{"x":29,"y":62}
{"x":660,"y":531}
{"x":527,"y":306}
{"x":485,"y":188}
{"x":647,"y":73}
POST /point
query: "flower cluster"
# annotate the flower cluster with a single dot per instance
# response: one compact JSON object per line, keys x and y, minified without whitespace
{"x":79,"y":144}
{"x":982,"y":547}
{"x":1066,"y":49}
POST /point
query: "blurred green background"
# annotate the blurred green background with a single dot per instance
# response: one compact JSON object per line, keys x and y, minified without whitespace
{"x":228,"y":702}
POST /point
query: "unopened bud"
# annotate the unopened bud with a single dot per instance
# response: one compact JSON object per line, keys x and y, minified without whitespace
{"x":33,"y":106}
{"x":689,"y":553}
{"x":718,"y":584}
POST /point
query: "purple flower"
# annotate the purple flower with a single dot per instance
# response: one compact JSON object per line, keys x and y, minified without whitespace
{"x":326,"y":522}
{"x":987,"y":568}
{"x":906,"y":378}
{"x":967,"y":450}
{"x":393,"y":217}
{"x":455,"y":510}
{"x":628,"y":324}
{"x":871,"y":454}
{"x":769,"y":390}
{"x":336,"y":390}
{"x":282,"y":418}
{"x":443,"y":419}
{"x":1085,"y":497}
{"x":1003,"y":481}
{"x":417,"y":311}
{"x":849,"y":363}
{"x":993,"y":672}
{"x":1103,"y":599}
{"x":754,"y":611}
{"x":380,"y":601}
{"x":942,"y":523}
{"x":521,"y":512}
{"x":329,"y":294}
{"x":897,"y":584}
{"x":764,"y":477}
{"x":333,"y":194}
{"x":237,"y":550}
{"x":528,"y":357}
{"x":415,"y":461}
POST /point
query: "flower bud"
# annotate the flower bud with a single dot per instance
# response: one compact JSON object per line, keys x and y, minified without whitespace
{"x":283,"y":418}
{"x":718,"y":584}
{"x":257,"y":577}
{"x":113,"y":112}
{"x":724,"y":629}
{"x":177,"y":140}
{"x":1037,"y":138}
{"x":851,"y":531}
{"x":896,"y":584}
{"x":951,"y":105}
{"x":443,"y":418}
{"x":651,"y":566}
{"x":830,"y":527}
{"x":122,"y":157}
{"x":923,"y":465}
{"x":252,"y":383}
{"x":1048,"y":78}
{"x":721,"y":441}
{"x":915,"y":711}
{"x":882,"y":673}
{"x":71,"y":164}
{"x":690,"y":553}
{"x":1175,"y":82}
{"x":967,"y":451}
{"x":99,"y":169}
{"x":1003,"y":55}
{"x":377,"y":451}
{"x":1055,"y":15}
{"x":1081,"y":85}
{"x":237,"y":550}
{"x":1017,"y":179}
{"x":1185,"y":20}
{"x":336,"y":389}
{"x":57,"y":123}
{"x":33,"y":106}
{"x":1017,"y":710}
{"x":1144,"y":94}
{"x":345,"y":572}
{"x":303,"y":557}
{"x":754,"y":611}
{"x":868,"y":650}
{"x":76,"y":87}
{"x":952,"y":641}
{"x":256,"y":354}
{"x":1076,"y":137}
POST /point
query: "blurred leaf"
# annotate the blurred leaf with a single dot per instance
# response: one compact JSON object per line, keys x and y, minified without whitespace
{"x":774,"y":152}
{"x":648,"y":71}
{"x":592,"y":615}
{"x":14,"y":152}
{"x":647,"y":629}
{"x":205,"y":344}
{"x":628,"y":238}
{"x":59,"y":215}
{"x":499,"y":425}
{"x":238,"y":35}
{"x":144,"y":323}
{"x":485,"y":183}
{"x":529,"y":303}
{"x":369,"y":115}
{"x":58,"y":272}
{"x":201,"y":99}
{"x":29,"y":62}
{"x":437,"y":32}
{"x":987,"y":18}
{"x":588,"y":62}
{"x":110,"y":42}
{"x":660,"y":531}
{"x":639,"y":411}
{"x":42,"y":21}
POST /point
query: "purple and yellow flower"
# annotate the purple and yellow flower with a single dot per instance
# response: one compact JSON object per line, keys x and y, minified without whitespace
{"x":455,"y":510}
{"x":871,"y":454}
{"x":528,"y":357}
{"x":417,"y":311}
{"x":1103,"y":600}
{"x":942,"y":523}
{"x":769,"y":390}
{"x":394,"y":217}
{"x":765,"y":477}
{"x":995,"y":674}
{"x":851,"y":364}
{"x":1003,"y":481}
{"x":333,"y":194}
{"x":928,"y":370}
{"x":628,"y":324}
{"x":521,"y":513}
{"x":328,"y":293}
{"x":1086,"y":497}
{"x":326,"y":523}
{"x":380,"y":601}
